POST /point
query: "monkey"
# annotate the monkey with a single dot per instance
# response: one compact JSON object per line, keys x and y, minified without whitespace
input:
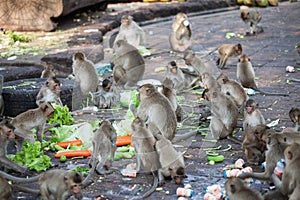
{"x":172,"y":162}
{"x":49,"y":92}
{"x":131,"y":32}
{"x":33,"y":118}
{"x":180,"y":38}
{"x":275,"y":195}
{"x":169,"y":92}
{"x":254,"y":142}
{"x":226,"y":51}
{"x":207,"y":81}
{"x":48,"y":72}
{"x":7,"y":133}
{"x":289,"y":184}
{"x":104,"y":145}
{"x":1,"y":97}
{"x":85,"y":73}
{"x":252,"y":116}
{"x":180,"y":79}
{"x":129,"y":65}
{"x":251,"y":18}
{"x":246,"y":76}
{"x":274,"y":152}
{"x":233,"y":89}
{"x":224,"y":114}
{"x":294,"y":114}
{"x":5,"y":189}
{"x":199,"y":65}
{"x":236,"y":189}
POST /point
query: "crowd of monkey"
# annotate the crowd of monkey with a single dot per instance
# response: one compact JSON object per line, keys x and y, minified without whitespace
{"x":156,"y":117}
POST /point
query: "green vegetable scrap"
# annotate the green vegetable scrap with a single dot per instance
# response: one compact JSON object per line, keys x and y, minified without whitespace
{"x":218,"y":158}
{"x":61,"y":115}
{"x":83,"y":170}
{"x":62,"y":132}
{"x":63,"y":159}
{"x":124,"y":152}
{"x":31,"y":157}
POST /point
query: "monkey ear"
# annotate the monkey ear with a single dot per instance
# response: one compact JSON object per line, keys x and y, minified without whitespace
{"x":289,"y":155}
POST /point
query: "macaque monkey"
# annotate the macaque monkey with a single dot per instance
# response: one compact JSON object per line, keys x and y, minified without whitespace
{"x":6,"y":134}
{"x":169,"y":92}
{"x":224,"y":114}
{"x":199,"y":65}
{"x":180,"y":38}
{"x":294,"y":114}
{"x":85,"y":73}
{"x":233,"y":89}
{"x":226,"y":51}
{"x":236,"y":189}
{"x":129,"y":65}
{"x":131,"y":32}
{"x":254,"y":143}
{"x":207,"y":81}
{"x":252,"y":116}
{"x":49,"y":92}
{"x":172,"y":162}
{"x":5,"y":189}
{"x":104,"y":145}
{"x":180,"y":80}
{"x":1,"y":97}
{"x":274,"y":152}
{"x":246,"y":75}
{"x":289,"y":184}
{"x":33,"y":118}
{"x":48,"y":72}
{"x":105,"y":97}
{"x":275,"y":195}
{"x":251,"y":18}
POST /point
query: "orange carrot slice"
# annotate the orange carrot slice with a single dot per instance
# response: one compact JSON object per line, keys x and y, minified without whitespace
{"x":65,"y":144}
{"x":74,"y":153}
{"x":123,"y":140}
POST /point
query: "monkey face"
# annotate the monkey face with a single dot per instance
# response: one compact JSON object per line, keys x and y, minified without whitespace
{"x":249,"y":109}
{"x":7,"y":132}
{"x":125,"y":22}
{"x":174,"y":70}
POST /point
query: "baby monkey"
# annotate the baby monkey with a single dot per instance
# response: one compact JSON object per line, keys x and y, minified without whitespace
{"x":253,"y":116}
{"x":251,"y":18}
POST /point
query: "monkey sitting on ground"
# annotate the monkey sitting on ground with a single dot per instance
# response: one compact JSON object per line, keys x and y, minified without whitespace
{"x":49,"y":92}
{"x":48,"y":72}
{"x":236,"y":189}
{"x":169,"y":92}
{"x":289,"y":184}
{"x":104,"y":145}
{"x":180,"y":38}
{"x":172,"y":162}
{"x":252,"y":116}
{"x":225,"y":51}
{"x":129,"y":65}
{"x":85,"y":74}
{"x":251,"y":18}
{"x":233,"y":89}
{"x":131,"y":32}
{"x":33,"y":118}
{"x":246,"y":76}
{"x":6,"y":134}
{"x":294,"y":114}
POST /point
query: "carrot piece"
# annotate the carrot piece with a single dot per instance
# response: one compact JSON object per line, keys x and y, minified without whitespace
{"x":65,"y":144}
{"x":73,"y":153}
{"x":123,"y":140}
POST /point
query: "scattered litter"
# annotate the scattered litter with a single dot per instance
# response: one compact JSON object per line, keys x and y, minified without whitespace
{"x":12,"y":58}
{"x":214,"y":192}
{"x":128,"y":173}
{"x":290,"y":69}
{"x":273,"y":123}
{"x":231,"y":35}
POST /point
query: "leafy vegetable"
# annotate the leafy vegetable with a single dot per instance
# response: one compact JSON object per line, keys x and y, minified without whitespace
{"x":32,"y":157}
{"x":61,"y":115}
{"x":62,"y":132}
{"x":83,"y":170}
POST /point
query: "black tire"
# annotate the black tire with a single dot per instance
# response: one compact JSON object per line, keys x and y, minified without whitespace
{"x":22,"y":98}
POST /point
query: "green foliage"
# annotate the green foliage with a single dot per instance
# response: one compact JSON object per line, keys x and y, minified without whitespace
{"x":14,"y":37}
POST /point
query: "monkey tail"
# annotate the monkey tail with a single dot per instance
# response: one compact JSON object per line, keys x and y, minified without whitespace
{"x":152,"y":189}
{"x":213,"y":50}
{"x":20,"y":180}
{"x":26,"y":189}
{"x":272,"y":94}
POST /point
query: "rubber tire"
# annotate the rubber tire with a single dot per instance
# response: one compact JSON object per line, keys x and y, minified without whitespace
{"x":23,"y":98}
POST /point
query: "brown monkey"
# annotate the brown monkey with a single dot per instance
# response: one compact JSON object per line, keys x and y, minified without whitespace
{"x":275,"y":195}
{"x":236,"y":189}
{"x":129,"y":65}
{"x":290,"y":182}
{"x":252,"y":116}
{"x":48,"y":72}
{"x":273,"y":153}
{"x":233,"y":89}
{"x":251,"y":18}
{"x":207,"y":81}
{"x":226,"y":51}
{"x":33,"y":118}
{"x":5,"y":189}
{"x":6,"y":134}
{"x":224,"y":114}
{"x":172,"y":162}
{"x":49,"y":92}
{"x":1,"y":97}
{"x":85,"y":73}
{"x":104,"y":145}
{"x":180,"y":38}
{"x":246,"y":75}
{"x":254,"y":142}
{"x":180,"y":79}
{"x":169,"y":92}
{"x":131,"y":32}
{"x":294,"y":114}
